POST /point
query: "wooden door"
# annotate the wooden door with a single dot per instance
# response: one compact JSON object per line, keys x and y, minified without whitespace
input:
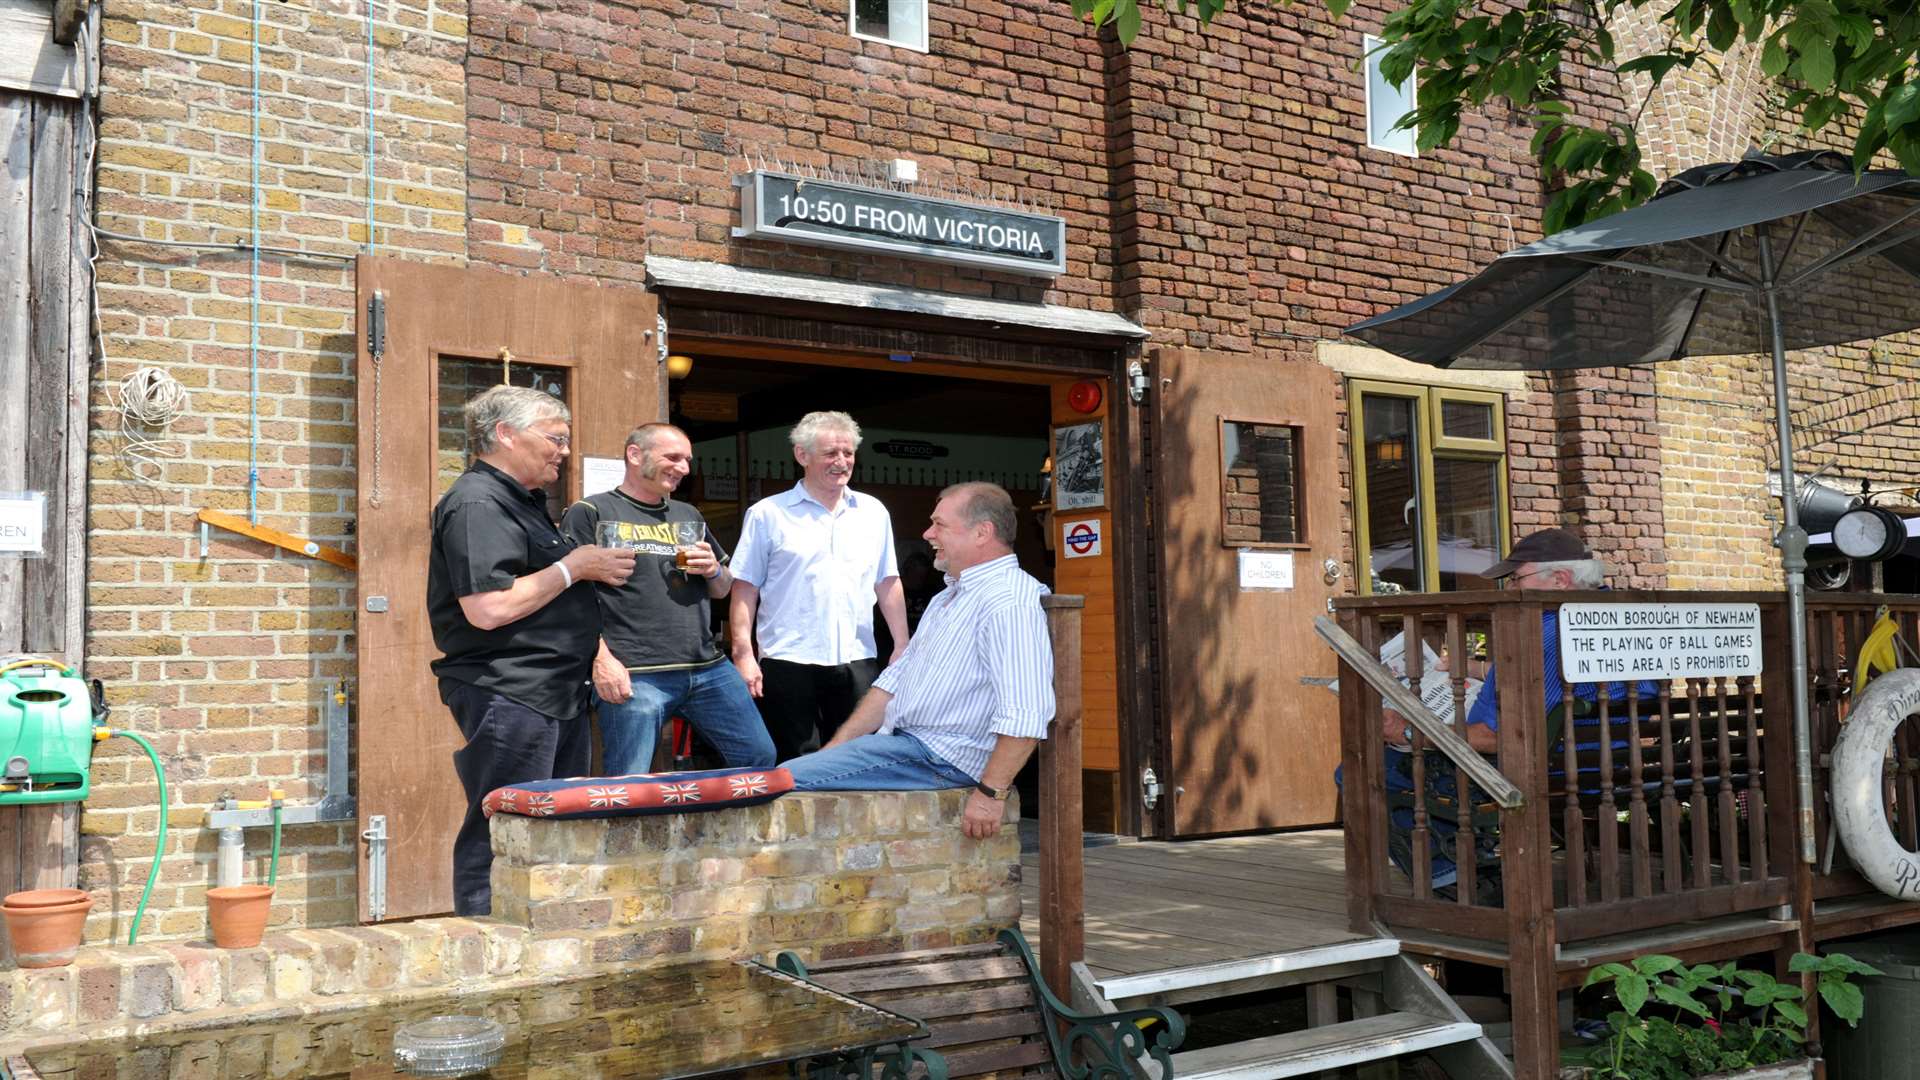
{"x":604,"y":339}
{"x":1250,"y":744}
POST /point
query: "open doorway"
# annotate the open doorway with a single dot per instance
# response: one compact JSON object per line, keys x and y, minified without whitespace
{"x":920,"y":432}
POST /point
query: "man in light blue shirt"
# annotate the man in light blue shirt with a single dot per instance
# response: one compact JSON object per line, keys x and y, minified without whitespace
{"x":809,"y":568}
{"x":973,"y":694}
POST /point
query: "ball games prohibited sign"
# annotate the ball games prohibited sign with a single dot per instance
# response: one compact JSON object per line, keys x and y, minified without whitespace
{"x":1609,"y":642}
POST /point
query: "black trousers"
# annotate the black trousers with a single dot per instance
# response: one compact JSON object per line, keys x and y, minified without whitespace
{"x":803,"y":704}
{"x":507,"y":743}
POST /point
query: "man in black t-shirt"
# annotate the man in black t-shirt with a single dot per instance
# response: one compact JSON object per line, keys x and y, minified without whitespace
{"x":508,"y":607}
{"x":656,"y":656}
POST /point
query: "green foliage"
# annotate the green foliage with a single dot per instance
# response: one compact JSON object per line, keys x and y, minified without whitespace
{"x":1709,"y":1018}
{"x":1835,"y":60}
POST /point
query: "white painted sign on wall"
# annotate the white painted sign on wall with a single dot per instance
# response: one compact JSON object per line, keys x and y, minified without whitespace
{"x":23,"y":523}
{"x":598,"y":474}
{"x":1620,"y":642}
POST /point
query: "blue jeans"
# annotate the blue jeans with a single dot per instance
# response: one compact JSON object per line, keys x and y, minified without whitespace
{"x":876,"y":763}
{"x":713,"y":699}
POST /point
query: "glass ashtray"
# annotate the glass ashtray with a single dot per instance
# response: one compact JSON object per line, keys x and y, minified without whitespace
{"x":448,"y":1046}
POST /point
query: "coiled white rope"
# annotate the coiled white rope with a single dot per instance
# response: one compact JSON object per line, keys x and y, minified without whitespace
{"x":150,"y":401}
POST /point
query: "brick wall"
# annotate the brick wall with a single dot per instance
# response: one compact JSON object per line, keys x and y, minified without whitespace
{"x":223,"y":661}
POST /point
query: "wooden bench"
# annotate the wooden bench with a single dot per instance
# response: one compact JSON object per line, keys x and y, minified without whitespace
{"x":990,"y":1014}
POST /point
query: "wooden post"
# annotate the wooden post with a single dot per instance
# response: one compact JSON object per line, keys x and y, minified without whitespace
{"x":1526,"y":858}
{"x":1360,"y":788}
{"x":1063,"y":915}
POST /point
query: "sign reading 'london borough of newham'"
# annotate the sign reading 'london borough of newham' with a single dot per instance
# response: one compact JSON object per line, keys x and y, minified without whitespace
{"x":1630,"y":642}
{"x":823,"y":212}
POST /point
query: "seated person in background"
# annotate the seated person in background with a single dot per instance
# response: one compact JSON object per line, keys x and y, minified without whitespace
{"x":1551,"y":559}
{"x":971,"y":697}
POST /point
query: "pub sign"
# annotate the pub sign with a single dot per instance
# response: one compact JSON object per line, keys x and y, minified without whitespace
{"x":831,"y":214}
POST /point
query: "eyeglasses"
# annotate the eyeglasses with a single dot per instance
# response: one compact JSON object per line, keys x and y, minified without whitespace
{"x":1517,"y":580}
{"x":561,"y":441}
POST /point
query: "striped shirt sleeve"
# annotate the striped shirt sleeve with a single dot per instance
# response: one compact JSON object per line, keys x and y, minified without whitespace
{"x":1018,"y":658}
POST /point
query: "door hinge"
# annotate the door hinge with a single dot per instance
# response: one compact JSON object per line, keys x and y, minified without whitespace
{"x":1150,"y":788}
{"x":377,"y":324}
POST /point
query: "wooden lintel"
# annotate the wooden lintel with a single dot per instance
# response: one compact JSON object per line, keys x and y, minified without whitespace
{"x":67,"y":17}
{"x":296,"y":544}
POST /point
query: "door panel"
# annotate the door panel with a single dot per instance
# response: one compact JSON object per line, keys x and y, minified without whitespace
{"x":1250,"y":745}
{"x":405,"y":737}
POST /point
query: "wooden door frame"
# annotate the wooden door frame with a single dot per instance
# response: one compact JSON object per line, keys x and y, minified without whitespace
{"x":1141,"y":717}
{"x":606,"y":336}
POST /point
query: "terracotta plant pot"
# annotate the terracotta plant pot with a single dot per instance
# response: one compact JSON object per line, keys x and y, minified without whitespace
{"x":44,"y":926}
{"x":239,"y":914}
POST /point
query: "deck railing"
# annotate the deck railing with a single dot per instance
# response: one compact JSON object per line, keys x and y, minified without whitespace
{"x":1641,"y":805}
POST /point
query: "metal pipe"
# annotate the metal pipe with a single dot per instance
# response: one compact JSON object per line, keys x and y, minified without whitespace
{"x":230,"y":856}
{"x":369,"y":126}
{"x":253,"y":320}
{"x":1792,"y":542}
{"x":229,"y":245}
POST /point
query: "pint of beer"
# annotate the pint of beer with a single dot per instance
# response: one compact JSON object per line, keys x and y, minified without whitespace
{"x":686,"y":534}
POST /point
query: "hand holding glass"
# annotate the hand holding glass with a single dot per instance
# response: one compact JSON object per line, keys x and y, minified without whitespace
{"x":686,"y":535}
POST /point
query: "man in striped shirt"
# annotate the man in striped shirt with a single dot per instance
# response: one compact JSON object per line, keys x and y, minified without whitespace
{"x":972,"y":695}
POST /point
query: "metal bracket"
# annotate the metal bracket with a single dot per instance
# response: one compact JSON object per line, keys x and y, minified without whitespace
{"x":1150,"y":788}
{"x":376,"y":838}
{"x":377,"y":325}
{"x":660,"y":338}
{"x":335,"y":802}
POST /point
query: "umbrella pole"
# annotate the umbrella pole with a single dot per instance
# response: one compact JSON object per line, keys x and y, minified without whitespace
{"x":1792,"y":542}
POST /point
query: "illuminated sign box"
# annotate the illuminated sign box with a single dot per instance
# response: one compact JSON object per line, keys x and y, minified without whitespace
{"x":775,"y":206}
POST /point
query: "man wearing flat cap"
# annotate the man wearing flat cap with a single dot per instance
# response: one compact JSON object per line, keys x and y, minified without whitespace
{"x":1552,"y":559}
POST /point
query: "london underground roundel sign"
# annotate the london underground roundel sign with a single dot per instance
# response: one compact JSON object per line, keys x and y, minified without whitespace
{"x":1081,"y":538}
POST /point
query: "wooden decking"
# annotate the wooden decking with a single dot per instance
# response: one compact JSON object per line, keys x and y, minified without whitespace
{"x":1152,"y":906}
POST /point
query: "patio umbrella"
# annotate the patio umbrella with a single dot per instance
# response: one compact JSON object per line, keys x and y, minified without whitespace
{"x":1757,"y":256}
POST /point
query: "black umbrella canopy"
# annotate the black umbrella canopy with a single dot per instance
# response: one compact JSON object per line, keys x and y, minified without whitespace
{"x":1684,"y":275}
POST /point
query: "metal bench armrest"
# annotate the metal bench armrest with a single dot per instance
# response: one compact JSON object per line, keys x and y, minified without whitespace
{"x":1099,"y":1046}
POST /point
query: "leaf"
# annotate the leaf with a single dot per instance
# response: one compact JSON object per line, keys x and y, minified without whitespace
{"x":1126,"y":20}
{"x":1773,"y":58}
{"x":1844,"y":998}
{"x":1679,"y":999}
{"x":1631,"y":988}
{"x":1792,"y":1011}
{"x":1721,"y":29}
{"x":1902,"y":105}
{"x":1816,"y":64}
{"x":1604,"y":973}
{"x":1338,"y":8}
{"x":1655,"y":964}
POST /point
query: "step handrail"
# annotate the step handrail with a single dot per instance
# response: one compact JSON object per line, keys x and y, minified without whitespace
{"x":1444,"y":739}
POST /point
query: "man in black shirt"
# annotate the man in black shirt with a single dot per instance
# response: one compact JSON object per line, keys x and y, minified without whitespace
{"x":656,"y":653}
{"x":517,"y":633}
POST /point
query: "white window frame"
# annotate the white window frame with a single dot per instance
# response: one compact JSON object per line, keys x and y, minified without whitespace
{"x":916,"y":46}
{"x":1403,"y":142}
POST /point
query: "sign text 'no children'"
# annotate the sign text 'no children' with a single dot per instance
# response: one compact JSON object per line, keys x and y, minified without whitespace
{"x":1612,"y":642}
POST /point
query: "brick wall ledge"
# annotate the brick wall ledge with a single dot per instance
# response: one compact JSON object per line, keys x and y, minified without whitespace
{"x":824,"y":874}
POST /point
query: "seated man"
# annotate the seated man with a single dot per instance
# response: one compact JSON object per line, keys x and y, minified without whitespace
{"x":972,"y":695}
{"x":1551,"y":559}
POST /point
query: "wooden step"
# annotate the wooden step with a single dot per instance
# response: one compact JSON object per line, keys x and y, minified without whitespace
{"x":1335,"y":1046}
{"x":1227,"y":977}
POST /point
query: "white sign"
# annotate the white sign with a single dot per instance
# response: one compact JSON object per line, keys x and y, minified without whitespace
{"x":1079,"y":539}
{"x":23,"y":523}
{"x":721,"y":488}
{"x":1627,"y":642}
{"x":1268,"y":570}
{"x":598,"y":474}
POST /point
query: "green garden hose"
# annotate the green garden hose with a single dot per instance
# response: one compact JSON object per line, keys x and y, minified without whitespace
{"x":273,"y":866}
{"x":160,"y":846}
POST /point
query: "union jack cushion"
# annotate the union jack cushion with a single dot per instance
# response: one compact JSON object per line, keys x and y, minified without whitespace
{"x":641,"y":793}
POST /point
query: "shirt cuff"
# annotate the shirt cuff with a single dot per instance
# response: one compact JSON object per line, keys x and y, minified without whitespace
{"x":887,"y":679}
{"x":1030,"y":726}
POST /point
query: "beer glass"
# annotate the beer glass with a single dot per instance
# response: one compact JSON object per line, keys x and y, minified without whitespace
{"x":686,"y":534}
{"x":608,"y":536}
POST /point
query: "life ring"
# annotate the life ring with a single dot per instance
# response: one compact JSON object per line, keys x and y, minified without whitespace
{"x":1854,"y":785}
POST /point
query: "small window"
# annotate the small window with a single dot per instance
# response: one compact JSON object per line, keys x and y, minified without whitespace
{"x":1386,"y":104}
{"x":1460,"y":419}
{"x":1260,"y":477}
{"x":896,"y":22}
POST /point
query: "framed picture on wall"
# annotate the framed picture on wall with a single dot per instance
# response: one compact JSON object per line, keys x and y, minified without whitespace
{"x":1079,"y":467}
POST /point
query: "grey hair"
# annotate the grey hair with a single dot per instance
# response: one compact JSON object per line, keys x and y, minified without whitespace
{"x":1587,"y":573}
{"x":806,"y":434}
{"x":987,"y":502}
{"x":644,"y":435}
{"x":518,"y":407}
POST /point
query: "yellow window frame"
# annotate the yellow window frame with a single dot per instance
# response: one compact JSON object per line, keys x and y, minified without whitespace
{"x":1429,"y":445}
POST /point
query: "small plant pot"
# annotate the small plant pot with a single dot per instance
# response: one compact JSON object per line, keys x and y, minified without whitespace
{"x":238,"y":914}
{"x":44,"y":926}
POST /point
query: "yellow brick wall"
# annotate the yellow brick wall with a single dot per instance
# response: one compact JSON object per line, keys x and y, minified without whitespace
{"x":1852,"y":416}
{"x":224,"y":661}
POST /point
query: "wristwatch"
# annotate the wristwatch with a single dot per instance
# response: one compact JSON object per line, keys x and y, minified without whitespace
{"x":997,"y":794}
